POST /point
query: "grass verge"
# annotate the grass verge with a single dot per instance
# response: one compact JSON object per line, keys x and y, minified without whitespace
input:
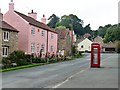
{"x":33,"y":65}
{"x":20,"y":67}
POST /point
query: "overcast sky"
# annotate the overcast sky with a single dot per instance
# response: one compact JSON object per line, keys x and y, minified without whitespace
{"x":94,"y":12}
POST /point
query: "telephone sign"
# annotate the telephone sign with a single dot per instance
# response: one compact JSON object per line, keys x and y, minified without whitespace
{"x":95,"y":55}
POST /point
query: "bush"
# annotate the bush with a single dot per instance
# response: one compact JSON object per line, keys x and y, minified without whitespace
{"x":6,"y":63}
{"x":38,"y":60}
{"x":19,"y":58}
{"x":118,"y":47}
{"x":78,"y":55}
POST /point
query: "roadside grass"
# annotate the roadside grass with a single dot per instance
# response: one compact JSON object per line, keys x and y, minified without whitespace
{"x":36,"y":64}
{"x":21,"y":67}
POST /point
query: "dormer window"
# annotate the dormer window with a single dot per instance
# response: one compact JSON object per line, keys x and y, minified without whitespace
{"x":6,"y":36}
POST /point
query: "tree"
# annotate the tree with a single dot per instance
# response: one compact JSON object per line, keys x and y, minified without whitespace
{"x":118,"y":46}
{"x":53,"y":20}
{"x":87,"y":29}
{"x":102,"y":30}
{"x":112,"y":33}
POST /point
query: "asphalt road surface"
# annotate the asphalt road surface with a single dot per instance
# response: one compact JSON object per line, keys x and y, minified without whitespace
{"x":70,"y":74}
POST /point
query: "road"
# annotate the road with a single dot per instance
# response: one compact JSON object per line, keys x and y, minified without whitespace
{"x":65,"y":74}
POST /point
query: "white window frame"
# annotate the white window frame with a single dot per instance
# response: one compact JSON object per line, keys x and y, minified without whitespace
{"x":32,"y":47}
{"x":43,"y":33}
{"x":33,"y":30}
{"x":51,"y":48}
{"x":6,"y":36}
{"x":38,"y":48}
{"x":52,"y":35}
{"x":42,"y":47}
{"x":5,"y":53}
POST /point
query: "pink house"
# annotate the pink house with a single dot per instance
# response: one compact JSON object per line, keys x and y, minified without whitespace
{"x":33,"y":35}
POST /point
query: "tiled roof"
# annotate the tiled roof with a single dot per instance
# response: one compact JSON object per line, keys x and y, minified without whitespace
{"x":62,"y":33}
{"x":110,"y":45}
{"x":8,"y":27}
{"x":34,"y":22}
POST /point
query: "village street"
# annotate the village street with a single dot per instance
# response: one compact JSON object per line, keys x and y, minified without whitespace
{"x":71,"y":74}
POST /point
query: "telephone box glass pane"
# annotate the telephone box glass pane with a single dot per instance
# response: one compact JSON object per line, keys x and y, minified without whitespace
{"x":95,"y":56}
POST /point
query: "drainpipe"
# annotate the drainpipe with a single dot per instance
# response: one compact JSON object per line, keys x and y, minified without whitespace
{"x":47,"y":44}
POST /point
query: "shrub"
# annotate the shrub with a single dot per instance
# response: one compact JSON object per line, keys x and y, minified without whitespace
{"x":6,"y":63}
{"x":19,"y":58}
{"x":38,"y":60}
{"x":118,"y":47}
{"x":78,"y":55}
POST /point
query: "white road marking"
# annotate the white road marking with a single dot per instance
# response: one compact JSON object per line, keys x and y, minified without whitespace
{"x":59,"y":84}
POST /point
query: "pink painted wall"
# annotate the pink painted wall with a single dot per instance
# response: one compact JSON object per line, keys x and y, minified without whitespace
{"x":22,"y":26}
{"x":52,"y":42}
{"x":38,"y":39}
{"x":25,"y":38}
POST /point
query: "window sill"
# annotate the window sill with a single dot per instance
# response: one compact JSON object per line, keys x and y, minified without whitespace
{"x":4,"y":55}
{"x":6,"y":40}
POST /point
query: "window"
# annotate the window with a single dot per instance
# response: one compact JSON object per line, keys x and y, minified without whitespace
{"x":5,"y":51}
{"x":6,"y":36}
{"x":42,"y":47}
{"x":32,"y":47}
{"x":51,"y":48}
{"x":82,"y":46}
{"x":38,"y":48}
{"x":33,"y":30}
{"x":43,"y":33}
{"x":52,"y":36}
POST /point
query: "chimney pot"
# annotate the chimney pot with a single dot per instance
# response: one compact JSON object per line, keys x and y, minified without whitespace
{"x":32,"y":11}
{"x":33,"y":14}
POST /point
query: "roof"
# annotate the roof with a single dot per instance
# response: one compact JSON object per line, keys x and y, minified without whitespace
{"x":8,"y":27}
{"x":98,"y":39}
{"x":109,"y":45}
{"x":34,"y":22}
{"x":62,"y":33}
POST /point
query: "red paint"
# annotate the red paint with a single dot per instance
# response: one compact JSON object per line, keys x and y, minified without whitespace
{"x":95,"y":46}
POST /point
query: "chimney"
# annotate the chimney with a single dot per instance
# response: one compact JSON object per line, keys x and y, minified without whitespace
{"x":33,"y":14}
{"x":11,"y":6}
{"x":43,"y":19}
{"x":1,"y":16}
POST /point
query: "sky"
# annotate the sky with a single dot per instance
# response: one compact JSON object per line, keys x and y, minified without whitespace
{"x":94,"y":12}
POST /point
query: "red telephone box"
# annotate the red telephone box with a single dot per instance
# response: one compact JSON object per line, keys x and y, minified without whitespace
{"x":95,"y":55}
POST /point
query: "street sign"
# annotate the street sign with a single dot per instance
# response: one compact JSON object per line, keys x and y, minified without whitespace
{"x":95,"y":55}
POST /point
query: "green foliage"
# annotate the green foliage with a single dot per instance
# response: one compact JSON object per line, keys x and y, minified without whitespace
{"x":78,"y":55}
{"x":87,"y":29}
{"x":118,"y":46}
{"x":53,"y":21}
{"x":19,"y":58}
{"x":102,"y":30}
{"x":69,"y":21}
{"x":6,"y":63}
{"x":62,"y":27}
{"x":74,"y":50}
{"x":112,"y":33}
{"x":19,"y":67}
{"x":38,"y":60}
